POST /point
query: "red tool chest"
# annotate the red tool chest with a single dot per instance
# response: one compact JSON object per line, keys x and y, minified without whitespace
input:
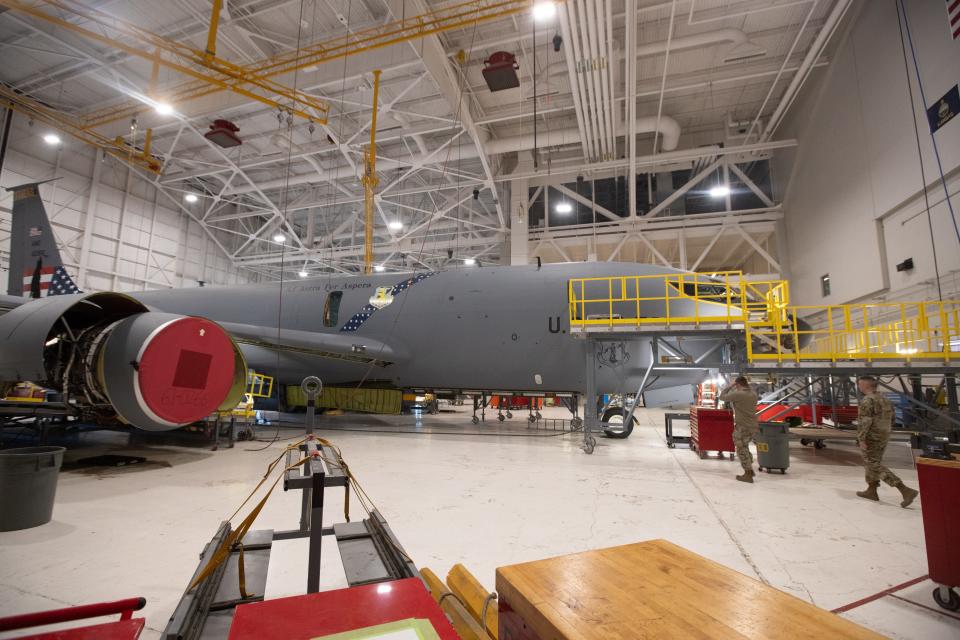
{"x":711,"y":430}
{"x":940,"y":501}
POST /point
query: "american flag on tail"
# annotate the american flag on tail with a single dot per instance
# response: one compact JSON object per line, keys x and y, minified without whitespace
{"x":47,"y":281}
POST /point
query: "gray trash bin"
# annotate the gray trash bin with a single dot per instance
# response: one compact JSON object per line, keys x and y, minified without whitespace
{"x":28,"y":484}
{"x":773,"y":446}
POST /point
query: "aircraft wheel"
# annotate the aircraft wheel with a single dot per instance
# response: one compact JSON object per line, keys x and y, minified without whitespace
{"x":501,"y":418}
{"x":804,"y":442}
{"x":819,"y":444}
{"x":475,"y":420}
{"x":531,"y":418}
{"x":576,"y":422}
{"x":509,"y":415}
{"x":952,"y":603}
{"x":613,"y":418}
{"x":539,"y":417}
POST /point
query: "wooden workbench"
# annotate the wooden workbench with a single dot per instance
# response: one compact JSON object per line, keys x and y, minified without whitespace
{"x":652,"y":589}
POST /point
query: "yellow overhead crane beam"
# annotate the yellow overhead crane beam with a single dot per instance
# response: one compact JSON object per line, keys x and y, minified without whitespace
{"x":212,"y":74}
{"x":370,"y":180}
{"x":209,"y":71}
{"x":116,"y":147}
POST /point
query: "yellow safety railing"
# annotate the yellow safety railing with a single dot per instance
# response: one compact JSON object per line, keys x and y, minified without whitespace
{"x":905,"y":331}
{"x":721,"y":298}
{"x":775,"y":330}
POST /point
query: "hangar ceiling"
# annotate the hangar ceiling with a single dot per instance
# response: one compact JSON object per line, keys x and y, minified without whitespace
{"x":450,"y":153}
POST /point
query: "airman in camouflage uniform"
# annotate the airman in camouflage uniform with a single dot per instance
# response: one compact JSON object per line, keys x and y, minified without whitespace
{"x":874,"y":422}
{"x":745,"y":425}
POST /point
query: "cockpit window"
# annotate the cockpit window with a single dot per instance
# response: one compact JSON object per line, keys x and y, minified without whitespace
{"x":331,"y":310}
{"x":700,"y":290}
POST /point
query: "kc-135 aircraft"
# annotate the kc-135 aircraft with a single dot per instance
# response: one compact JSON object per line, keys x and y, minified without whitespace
{"x":160,"y":360}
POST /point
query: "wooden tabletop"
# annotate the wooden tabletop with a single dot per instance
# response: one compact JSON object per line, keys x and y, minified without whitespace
{"x":952,"y":464}
{"x":656,"y":589}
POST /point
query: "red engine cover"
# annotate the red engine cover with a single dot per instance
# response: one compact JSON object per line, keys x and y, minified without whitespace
{"x":186,"y":370}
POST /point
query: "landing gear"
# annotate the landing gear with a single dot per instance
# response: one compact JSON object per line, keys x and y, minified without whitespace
{"x":613,"y":421}
{"x":480,"y":404}
{"x":947,"y":598}
{"x":576,"y":423}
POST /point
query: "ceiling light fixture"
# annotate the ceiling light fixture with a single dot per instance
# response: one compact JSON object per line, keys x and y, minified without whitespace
{"x":163,"y":108}
{"x":543,"y":11}
{"x":395,"y":225}
{"x":563,"y":207}
{"x":279,"y":238}
{"x":720,"y":191}
{"x":191,"y":197}
{"x":51,"y":139}
{"x":469,"y":262}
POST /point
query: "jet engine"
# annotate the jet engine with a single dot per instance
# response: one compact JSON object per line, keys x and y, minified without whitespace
{"x":111,"y":356}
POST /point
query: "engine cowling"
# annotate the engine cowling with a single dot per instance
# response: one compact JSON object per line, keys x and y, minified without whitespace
{"x":108,"y":354}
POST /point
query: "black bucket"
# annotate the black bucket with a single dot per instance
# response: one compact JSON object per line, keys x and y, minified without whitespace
{"x":28,"y":485}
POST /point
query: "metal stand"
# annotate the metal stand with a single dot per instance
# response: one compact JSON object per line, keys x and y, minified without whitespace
{"x":668,"y":419}
{"x":312,"y":481}
{"x":312,"y":387}
{"x":590,"y":397}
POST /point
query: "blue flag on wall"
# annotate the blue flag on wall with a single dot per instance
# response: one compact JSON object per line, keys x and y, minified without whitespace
{"x":944,"y":109}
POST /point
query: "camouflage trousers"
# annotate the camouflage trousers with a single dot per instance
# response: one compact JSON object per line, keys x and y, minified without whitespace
{"x":873,"y":459}
{"x":741,"y":440}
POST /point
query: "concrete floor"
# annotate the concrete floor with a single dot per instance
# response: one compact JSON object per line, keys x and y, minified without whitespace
{"x":486,"y":501}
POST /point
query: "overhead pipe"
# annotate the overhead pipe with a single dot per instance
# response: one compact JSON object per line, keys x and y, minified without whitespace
{"x":576,"y":81}
{"x":595,"y":16}
{"x":669,"y":134}
{"x":630,"y":108}
{"x":736,"y":37}
{"x":590,"y":96}
{"x":612,"y":104}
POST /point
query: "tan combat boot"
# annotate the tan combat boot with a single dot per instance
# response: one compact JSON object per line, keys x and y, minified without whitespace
{"x":908,"y":494}
{"x":871,"y":492}
{"x":746,"y":477}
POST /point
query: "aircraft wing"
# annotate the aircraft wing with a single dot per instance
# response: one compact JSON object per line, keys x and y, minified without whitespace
{"x":336,"y":346}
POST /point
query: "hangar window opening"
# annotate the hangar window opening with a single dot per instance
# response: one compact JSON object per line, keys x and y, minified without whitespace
{"x":331,"y":310}
{"x":825,"y":284}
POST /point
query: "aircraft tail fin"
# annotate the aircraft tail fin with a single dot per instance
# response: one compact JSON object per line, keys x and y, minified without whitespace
{"x":36,"y":269}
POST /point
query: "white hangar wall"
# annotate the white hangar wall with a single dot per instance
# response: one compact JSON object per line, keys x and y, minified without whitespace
{"x":852,"y":191}
{"x":139,"y":239}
